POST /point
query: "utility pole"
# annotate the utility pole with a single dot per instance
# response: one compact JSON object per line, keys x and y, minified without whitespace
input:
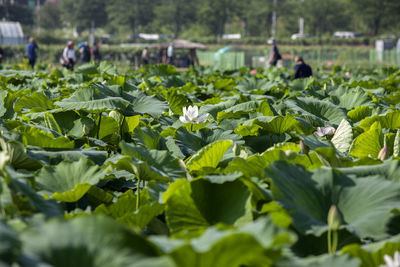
{"x":301,"y":22}
{"x":91,"y":36}
{"x":274,"y":21}
{"x":38,"y":14}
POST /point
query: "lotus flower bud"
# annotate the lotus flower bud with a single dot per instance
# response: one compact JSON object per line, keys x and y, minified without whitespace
{"x":384,"y":153}
{"x":116,"y":115}
{"x":303,"y":147}
{"x":236,"y":149}
{"x":85,"y":130}
{"x":333,"y":218}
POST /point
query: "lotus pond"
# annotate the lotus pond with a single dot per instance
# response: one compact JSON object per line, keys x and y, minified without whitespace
{"x":199,"y":168}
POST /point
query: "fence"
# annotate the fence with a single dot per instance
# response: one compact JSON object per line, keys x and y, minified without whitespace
{"x":318,"y":58}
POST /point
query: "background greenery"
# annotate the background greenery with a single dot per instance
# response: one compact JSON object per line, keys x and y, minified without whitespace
{"x":207,"y":20}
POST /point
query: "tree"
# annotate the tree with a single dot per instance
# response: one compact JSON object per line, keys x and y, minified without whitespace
{"x":176,"y":14}
{"x":50,"y":16}
{"x":81,"y":13}
{"x":129,"y":15}
{"x":376,"y":14}
{"x":214,"y":14}
{"x":324,"y":16}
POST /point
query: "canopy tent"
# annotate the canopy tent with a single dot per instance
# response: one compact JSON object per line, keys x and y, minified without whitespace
{"x":182,"y":44}
{"x":11,"y":33}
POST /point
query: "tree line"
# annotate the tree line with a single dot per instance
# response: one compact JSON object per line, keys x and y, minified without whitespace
{"x":193,"y":18}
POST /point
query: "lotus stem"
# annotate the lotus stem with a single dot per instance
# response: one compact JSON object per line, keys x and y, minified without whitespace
{"x":98,"y":126}
{"x":329,"y":241}
{"x":138,"y":193}
{"x":335,"y":241}
{"x":121,"y":130}
{"x":310,"y":159}
{"x":332,"y":241}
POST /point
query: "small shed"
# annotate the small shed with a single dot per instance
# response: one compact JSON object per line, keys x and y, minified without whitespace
{"x":11,"y":33}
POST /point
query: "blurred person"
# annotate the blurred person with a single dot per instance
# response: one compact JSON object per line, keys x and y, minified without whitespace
{"x":160,"y":55}
{"x":145,"y":56}
{"x":84,"y":50}
{"x":274,"y":54}
{"x":1,"y":55}
{"x":194,"y":60}
{"x":96,"y":52}
{"x":170,"y":54}
{"x":68,"y":57}
{"x":31,"y":51}
{"x":301,"y":70}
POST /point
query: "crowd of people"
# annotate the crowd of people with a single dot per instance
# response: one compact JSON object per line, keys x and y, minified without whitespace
{"x":164,"y":55}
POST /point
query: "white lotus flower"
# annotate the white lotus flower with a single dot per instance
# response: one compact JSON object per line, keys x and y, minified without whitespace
{"x":327,"y":130}
{"x":392,"y":262}
{"x":191,"y":114}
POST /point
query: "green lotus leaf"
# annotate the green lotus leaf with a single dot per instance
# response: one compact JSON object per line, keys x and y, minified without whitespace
{"x":147,"y":137}
{"x":161,"y":162}
{"x":10,"y":245}
{"x":68,"y":180}
{"x":325,"y":260}
{"x":108,"y":68}
{"x":256,"y":244}
{"x":372,"y":255}
{"x":108,"y":127}
{"x":87,"y":69}
{"x":367,"y":144}
{"x":18,"y":157}
{"x":32,"y":199}
{"x":142,"y":103}
{"x":318,"y":110}
{"x":388,"y":169}
{"x":390,"y":120}
{"x":343,"y":137}
{"x":359,"y":113}
{"x":365,"y":205}
{"x":176,"y":100}
{"x":270,"y":124}
{"x":36,"y":137}
{"x":209,"y":156}
{"x":238,"y":110}
{"x":193,"y":206}
{"x":351,"y":98}
{"x":88,"y":99}
{"x":36,"y":102}
{"x":190,"y":142}
{"x":86,"y":241}
{"x":55,"y":157}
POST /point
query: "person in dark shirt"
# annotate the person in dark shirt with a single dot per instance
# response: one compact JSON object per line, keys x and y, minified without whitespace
{"x":31,"y":51}
{"x":1,"y":54}
{"x":301,"y":70}
{"x":84,"y":50}
{"x":274,"y":54}
{"x":96,"y":52}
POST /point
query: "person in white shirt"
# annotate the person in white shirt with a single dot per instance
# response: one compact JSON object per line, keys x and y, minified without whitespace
{"x":170,"y":54}
{"x":68,"y":58}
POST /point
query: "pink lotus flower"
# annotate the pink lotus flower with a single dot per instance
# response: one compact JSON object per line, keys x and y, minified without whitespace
{"x":253,"y":72}
{"x":329,"y":64}
{"x":327,"y":130}
{"x":347,"y":74}
{"x":384,"y":153}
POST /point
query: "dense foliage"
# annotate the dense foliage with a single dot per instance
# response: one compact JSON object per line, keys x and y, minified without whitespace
{"x":199,"y":18}
{"x":99,"y":168}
